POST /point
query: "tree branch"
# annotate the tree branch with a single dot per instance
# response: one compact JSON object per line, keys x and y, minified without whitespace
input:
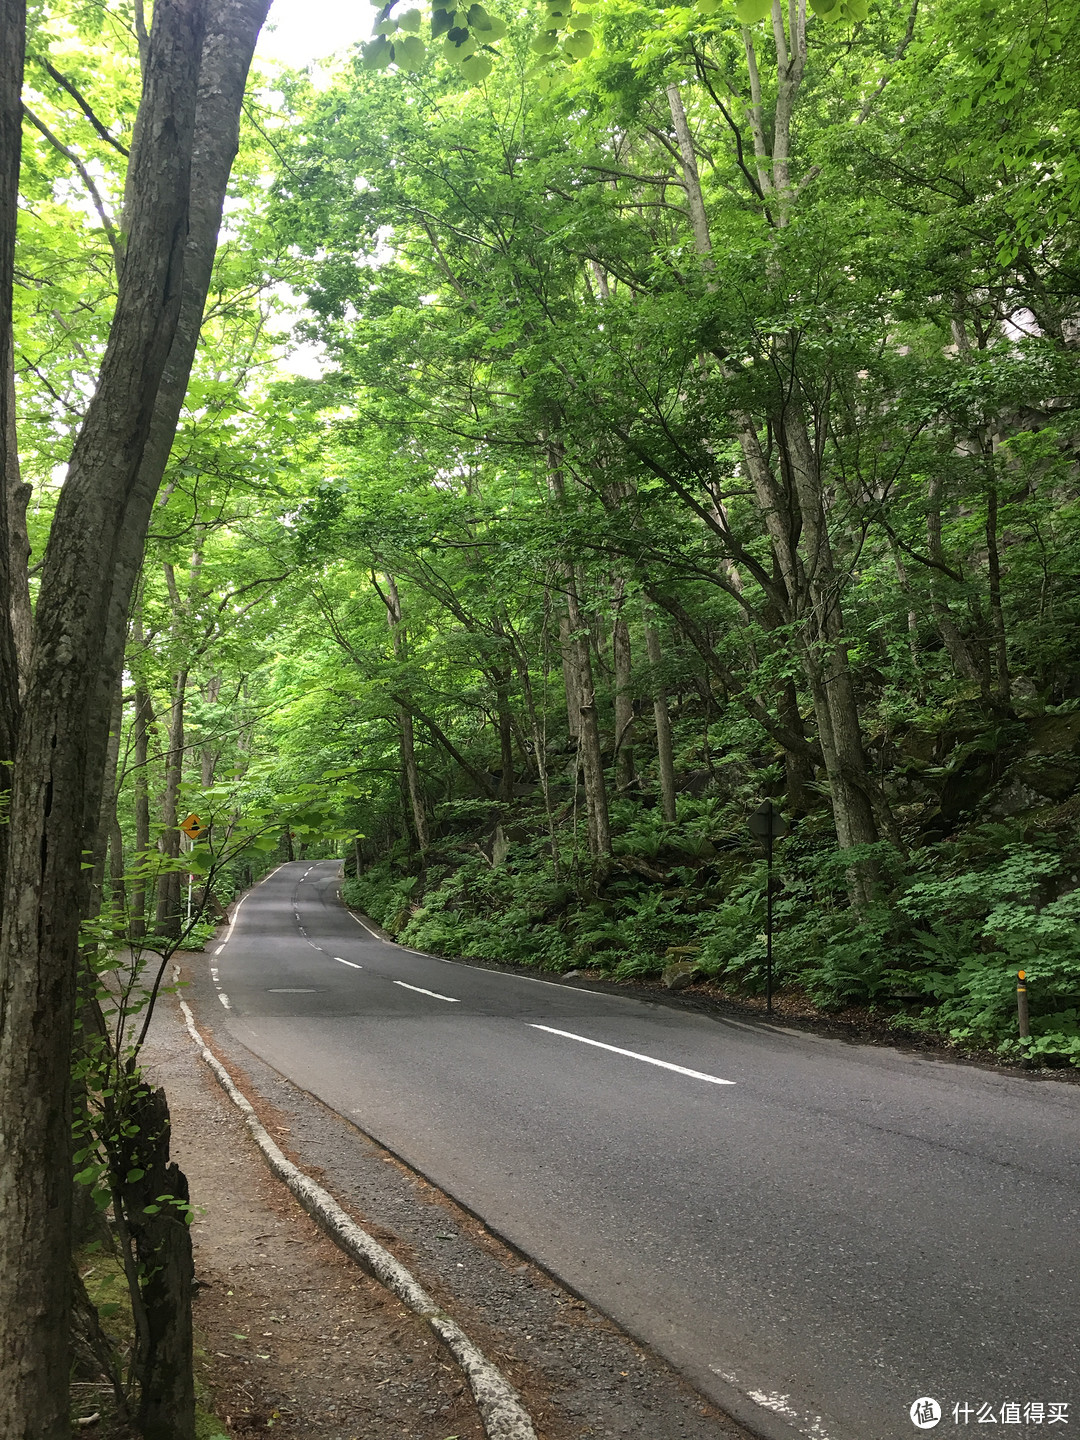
{"x":99,"y":204}
{"x":83,"y":104}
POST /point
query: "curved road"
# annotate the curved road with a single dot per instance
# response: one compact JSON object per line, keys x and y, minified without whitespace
{"x":815,"y":1233}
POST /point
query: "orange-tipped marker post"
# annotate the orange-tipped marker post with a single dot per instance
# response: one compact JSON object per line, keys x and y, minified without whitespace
{"x":1022,"y":1004}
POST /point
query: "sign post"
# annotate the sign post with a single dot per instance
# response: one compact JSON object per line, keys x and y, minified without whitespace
{"x":194,"y":829}
{"x":767,"y":825}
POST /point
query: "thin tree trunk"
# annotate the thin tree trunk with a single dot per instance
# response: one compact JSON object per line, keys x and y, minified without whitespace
{"x":954,"y":643}
{"x":18,"y":497}
{"x":506,"y":734}
{"x":664,"y":751}
{"x":142,"y":723}
{"x":210,"y":756}
{"x":580,"y":689}
{"x":410,"y":770}
{"x":625,"y":773}
{"x":592,"y":762}
{"x":1003,"y":685}
{"x":168,"y":918}
{"x":571,"y":678}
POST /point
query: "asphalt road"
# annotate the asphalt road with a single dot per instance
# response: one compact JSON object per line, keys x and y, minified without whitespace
{"x":815,"y":1233}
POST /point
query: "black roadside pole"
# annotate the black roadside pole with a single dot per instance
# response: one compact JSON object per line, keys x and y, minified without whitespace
{"x":767,"y":825}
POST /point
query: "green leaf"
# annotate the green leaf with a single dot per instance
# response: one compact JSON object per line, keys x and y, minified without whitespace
{"x":476,"y":68}
{"x":456,"y":49}
{"x":495,"y":29}
{"x":377,"y":53}
{"x":545,"y":42}
{"x":579,"y":44}
{"x":133,"y":1175}
{"x":823,"y":7}
{"x":749,"y":12}
{"x":410,"y":21}
{"x":856,"y":10}
{"x":708,"y":7}
{"x":410,"y":52}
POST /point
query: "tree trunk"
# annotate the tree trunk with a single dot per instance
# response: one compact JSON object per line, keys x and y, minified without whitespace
{"x":18,"y":497}
{"x":12,"y":46}
{"x":410,"y":770}
{"x":92,"y":558}
{"x":571,"y":678}
{"x":157,"y":1232}
{"x":625,"y":773}
{"x":592,"y":762}
{"x":580,"y":691}
{"x":142,"y":723}
{"x":798,"y":767}
{"x":954,"y":643}
{"x":664,"y":752}
{"x":1003,"y":686}
{"x":168,"y":918}
{"x":210,"y":756}
{"x":506,"y":734}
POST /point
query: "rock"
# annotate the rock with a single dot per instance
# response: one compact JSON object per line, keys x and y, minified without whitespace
{"x":1013,"y":798}
{"x":1055,"y":734}
{"x":1053,"y":777}
{"x":679,"y":975}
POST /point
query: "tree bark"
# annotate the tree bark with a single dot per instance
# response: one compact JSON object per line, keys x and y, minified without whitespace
{"x":142,"y":723}
{"x":18,"y":497}
{"x":168,"y":919}
{"x":12,"y":47}
{"x":625,"y":773}
{"x":664,"y":751}
{"x":157,"y":1231}
{"x":589,"y":750}
{"x":409,"y":767}
{"x":89,"y":567}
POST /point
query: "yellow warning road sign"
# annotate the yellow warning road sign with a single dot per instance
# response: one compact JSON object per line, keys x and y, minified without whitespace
{"x":192,"y":827}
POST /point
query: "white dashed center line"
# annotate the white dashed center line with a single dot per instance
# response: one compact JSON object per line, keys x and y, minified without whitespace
{"x":632,"y":1055}
{"x":224,"y":999}
{"x":452,"y":1000}
{"x":348,"y":962}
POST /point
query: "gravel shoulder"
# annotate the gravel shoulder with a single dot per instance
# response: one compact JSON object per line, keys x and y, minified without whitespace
{"x":295,"y":1338}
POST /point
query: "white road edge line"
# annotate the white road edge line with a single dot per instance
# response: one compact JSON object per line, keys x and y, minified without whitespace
{"x":369,"y":930}
{"x":632,"y":1054}
{"x":433,"y":993}
{"x":353,"y":963}
{"x":501,"y":1411}
{"x":224,"y":999}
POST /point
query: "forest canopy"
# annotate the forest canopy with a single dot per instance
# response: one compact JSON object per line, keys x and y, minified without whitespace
{"x":694,"y":423}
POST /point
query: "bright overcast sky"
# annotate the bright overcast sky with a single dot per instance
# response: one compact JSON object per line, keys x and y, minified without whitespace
{"x":299,"y":31}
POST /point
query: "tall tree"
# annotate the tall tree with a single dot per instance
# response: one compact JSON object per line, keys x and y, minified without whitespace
{"x":194,"y":71}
